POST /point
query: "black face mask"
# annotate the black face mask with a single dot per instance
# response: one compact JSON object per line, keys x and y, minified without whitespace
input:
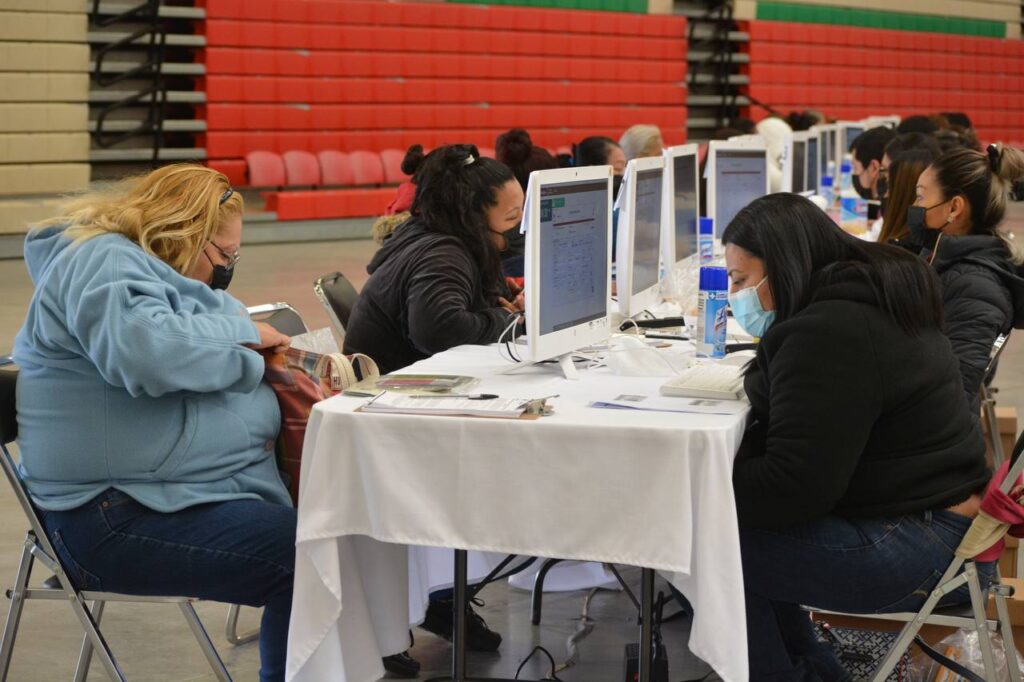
{"x":882,"y":187}
{"x":221,"y":274}
{"x":864,"y":192}
{"x":919,"y":231}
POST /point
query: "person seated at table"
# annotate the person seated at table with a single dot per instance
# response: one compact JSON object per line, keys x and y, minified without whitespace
{"x":641,"y":141}
{"x":905,"y":158}
{"x":861,"y":469}
{"x":960,"y":205}
{"x":516,"y":150}
{"x":867,"y":150}
{"x":436,"y":283}
{"x":145,"y":429}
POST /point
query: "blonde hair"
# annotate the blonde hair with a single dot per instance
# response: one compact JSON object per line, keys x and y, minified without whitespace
{"x":984,"y":179}
{"x":171,"y":212}
{"x":640,"y":141}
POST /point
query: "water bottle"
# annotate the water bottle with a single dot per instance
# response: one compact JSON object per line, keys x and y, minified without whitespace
{"x":852,"y":209}
{"x":827,"y":192}
{"x":712,"y":306}
{"x":706,"y":240}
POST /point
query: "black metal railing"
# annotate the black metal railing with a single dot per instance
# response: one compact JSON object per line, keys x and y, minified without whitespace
{"x":719,"y":63}
{"x":152,"y":37}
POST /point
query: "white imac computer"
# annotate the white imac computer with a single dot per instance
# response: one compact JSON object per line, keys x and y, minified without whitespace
{"x":568,"y":225}
{"x":847,"y":132}
{"x":827,"y":136}
{"x":813,"y":161}
{"x":737,"y":173}
{"x":786,"y":163}
{"x":638,"y":241}
{"x":890,"y":121}
{"x":682,"y":205}
{"x":798,"y":162}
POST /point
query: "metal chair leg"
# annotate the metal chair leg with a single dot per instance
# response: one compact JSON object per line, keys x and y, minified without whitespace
{"x":978,"y":604}
{"x":85,"y":656}
{"x":988,"y":404}
{"x":1000,"y":593}
{"x":199,"y":632}
{"x":17,"y":596}
{"x":231,"y":628}
{"x":92,"y":631}
{"x":538,"y":588}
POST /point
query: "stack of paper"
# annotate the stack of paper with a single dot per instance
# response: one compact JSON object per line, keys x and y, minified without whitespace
{"x":397,"y":403}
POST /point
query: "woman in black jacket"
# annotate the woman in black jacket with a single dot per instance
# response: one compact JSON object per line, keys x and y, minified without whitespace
{"x":961,"y":200}
{"x":860,"y":471}
{"x":436,"y":282}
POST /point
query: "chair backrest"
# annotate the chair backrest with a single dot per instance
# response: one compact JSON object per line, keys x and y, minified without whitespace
{"x":280,"y":316}
{"x":336,"y":168}
{"x":301,"y":169}
{"x":993,"y":356}
{"x":392,"y":161}
{"x":366,"y":168}
{"x":8,"y":434}
{"x":266,"y":169}
{"x":338,"y":297}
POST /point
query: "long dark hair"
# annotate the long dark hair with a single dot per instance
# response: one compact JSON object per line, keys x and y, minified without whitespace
{"x":454,"y":188}
{"x":516,"y":150}
{"x":593,"y":151}
{"x":804,"y":250}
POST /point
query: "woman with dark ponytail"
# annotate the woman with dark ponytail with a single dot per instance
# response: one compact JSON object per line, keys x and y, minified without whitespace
{"x":959,"y":207}
{"x":437,"y":283}
{"x":860,"y":469}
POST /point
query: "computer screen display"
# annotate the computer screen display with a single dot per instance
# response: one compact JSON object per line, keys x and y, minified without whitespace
{"x":851,"y":133}
{"x":799,"y":165}
{"x":647,"y":230}
{"x":812,"y":166}
{"x":684,"y":200}
{"x":740,"y":177}
{"x":573,"y":254}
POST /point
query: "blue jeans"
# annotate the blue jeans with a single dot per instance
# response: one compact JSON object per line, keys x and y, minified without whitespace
{"x":849,"y":565}
{"x":240,"y":552}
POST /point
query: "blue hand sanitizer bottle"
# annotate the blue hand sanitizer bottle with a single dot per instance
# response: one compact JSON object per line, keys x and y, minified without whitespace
{"x":712,"y":306}
{"x":706,"y":240}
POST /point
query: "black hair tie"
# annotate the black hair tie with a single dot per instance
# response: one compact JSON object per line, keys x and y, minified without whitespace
{"x":994,"y":157}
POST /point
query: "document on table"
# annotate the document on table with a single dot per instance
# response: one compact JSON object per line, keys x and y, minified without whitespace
{"x":660,"y":403}
{"x":397,"y":403}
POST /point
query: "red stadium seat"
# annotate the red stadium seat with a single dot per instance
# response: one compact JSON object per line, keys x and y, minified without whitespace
{"x":266,"y":169}
{"x":367,"y":168}
{"x":489,"y":152}
{"x":392,"y":161}
{"x":301,"y":169}
{"x":336,"y":168}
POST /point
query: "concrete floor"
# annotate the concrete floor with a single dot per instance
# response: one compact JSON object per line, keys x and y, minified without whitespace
{"x":152,"y":642}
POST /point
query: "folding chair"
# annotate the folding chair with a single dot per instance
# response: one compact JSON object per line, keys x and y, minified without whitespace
{"x":972,"y":616}
{"x":280,"y":316}
{"x":338,"y":297}
{"x":87,"y":606}
{"x":988,"y":400}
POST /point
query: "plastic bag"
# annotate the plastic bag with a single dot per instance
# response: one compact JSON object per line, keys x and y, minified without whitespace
{"x":963,"y":647}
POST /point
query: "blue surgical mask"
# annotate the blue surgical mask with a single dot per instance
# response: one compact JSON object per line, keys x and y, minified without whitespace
{"x":747,"y":309}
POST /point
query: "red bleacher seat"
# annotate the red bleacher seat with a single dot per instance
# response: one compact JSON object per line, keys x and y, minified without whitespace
{"x":367,"y":168}
{"x":266,"y":169}
{"x":301,"y":169}
{"x":392,"y":161}
{"x":330,"y":203}
{"x":335,"y":168}
{"x":234,"y":169}
{"x":489,"y":151}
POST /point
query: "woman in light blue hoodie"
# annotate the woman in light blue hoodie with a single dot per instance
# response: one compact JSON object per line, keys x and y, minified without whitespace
{"x":146,"y":433}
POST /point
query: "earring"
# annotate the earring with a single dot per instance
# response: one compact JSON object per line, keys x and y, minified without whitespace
{"x":949,"y":220}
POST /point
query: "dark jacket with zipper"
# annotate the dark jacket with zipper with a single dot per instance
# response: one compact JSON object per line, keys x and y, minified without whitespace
{"x":852,"y":416}
{"x":424,"y":296}
{"x":982,"y":297}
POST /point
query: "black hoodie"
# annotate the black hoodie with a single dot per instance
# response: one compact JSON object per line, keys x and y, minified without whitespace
{"x":424,"y":296}
{"x":853,"y":416}
{"x":982,"y":297}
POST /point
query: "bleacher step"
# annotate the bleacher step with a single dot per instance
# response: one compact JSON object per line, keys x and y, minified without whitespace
{"x":170,"y":126}
{"x":173,"y":39}
{"x":173,"y":97}
{"x":716,"y":100}
{"x":705,"y":55}
{"x":166,"y":11}
{"x":166,"y":154}
{"x":169,"y":68}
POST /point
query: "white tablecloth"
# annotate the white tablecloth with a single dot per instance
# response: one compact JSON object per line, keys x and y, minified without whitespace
{"x":646,"y":489}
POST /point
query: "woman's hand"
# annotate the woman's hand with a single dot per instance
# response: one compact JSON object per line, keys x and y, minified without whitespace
{"x":516,"y":305}
{"x":271,"y":338}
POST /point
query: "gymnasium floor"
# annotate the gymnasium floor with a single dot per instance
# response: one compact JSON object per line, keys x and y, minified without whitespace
{"x":152,"y":642}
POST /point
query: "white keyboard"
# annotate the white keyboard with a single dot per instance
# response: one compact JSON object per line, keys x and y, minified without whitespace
{"x":713,"y":381}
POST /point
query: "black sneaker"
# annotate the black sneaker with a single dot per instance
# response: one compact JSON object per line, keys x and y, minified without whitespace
{"x":478,"y":636}
{"x":402,"y":665}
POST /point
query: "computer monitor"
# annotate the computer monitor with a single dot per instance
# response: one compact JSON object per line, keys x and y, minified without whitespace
{"x":890,"y":121}
{"x":786,"y":163}
{"x":827,"y":136}
{"x":682,"y":204}
{"x":813,"y":163}
{"x":847,"y":133}
{"x":638,"y":241}
{"x":567,"y":220}
{"x":737,"y":173}
{"x":798,"y":168}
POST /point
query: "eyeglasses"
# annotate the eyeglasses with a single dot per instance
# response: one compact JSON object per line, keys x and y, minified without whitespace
{"x":231,"y":258}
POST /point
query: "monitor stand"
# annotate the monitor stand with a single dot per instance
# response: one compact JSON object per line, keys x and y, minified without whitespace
{"x":565,"y":364}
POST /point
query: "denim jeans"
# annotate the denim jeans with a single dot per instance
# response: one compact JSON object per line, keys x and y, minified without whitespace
{"x":240,"y":552}
{"x":850,"y":565}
